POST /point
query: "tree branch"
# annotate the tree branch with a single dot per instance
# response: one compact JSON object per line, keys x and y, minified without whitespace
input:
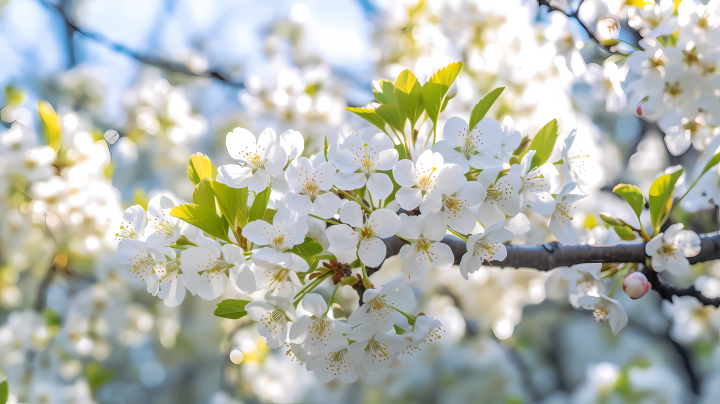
{"x":574,"y":15}
{"x":545,"y":257}
{"x":164,"y":64}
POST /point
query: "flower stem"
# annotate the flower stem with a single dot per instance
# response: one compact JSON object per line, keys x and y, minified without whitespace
{"x":352,"y":198}
{"x":324,"y":220}
{"x":620,"y":277}
{"x":330,"y":302}
{"x":366,"y":279}
{"x":457,"y":234}
{"x":406,"y":239}
{"x":410,"y":317}
{"x":309,"y":288}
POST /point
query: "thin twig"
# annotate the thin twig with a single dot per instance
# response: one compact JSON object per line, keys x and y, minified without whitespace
{"x":148,"y":60}
{"x":574,"y":15}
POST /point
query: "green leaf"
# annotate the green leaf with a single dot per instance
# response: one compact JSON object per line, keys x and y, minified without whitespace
{"x":349,"y":280}
{"x":200,"y":167}
{"x":543,"y":143}
{"x":521,"y":147}
{"x":97,"y":376}
{"x":257,"y":211}
{"x":632,"y":196}
{"x":407,"y":93}
{"x":625,"y":232}
{"x":52,"y":319}
{"x":231,"y":308}
{"x":393,"y":115}
{"x":204,"y":195}
{"x":51,"y":124}
{"x":231,"y":201}
{"x":4,"y":392}
{"x":389,"y":173}
{"x":202,"y":218}
{"x":447,"y":74}
{"x":482,"y":107}
{"x":712,"y":163}
{"x":308,"y":249}
{"x":325,"y":149}
{"x":13,"y":95}
{"x":398,"y":330}
{"x":386,"y":95}
{"x":269,"y":215}
{"x":369,"y":115}
{"x":402,"y":154}
{"x":327,"y":255}
{"x":610,"y":220}
{"x":660,"y":198}
{"x":432,"y":97}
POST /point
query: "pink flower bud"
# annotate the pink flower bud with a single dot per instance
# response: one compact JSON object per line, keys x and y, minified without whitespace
{"x":636,"y":285}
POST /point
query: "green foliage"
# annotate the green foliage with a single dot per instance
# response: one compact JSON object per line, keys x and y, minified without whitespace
{"x":14,"y":96}
{"x":231,"y":308}
{"x":51,"y":125}
{"x":482,"y":107}
{"x":447,"y":75}
{"x":349,"y":280}
{"x":200,"y":167}
{"x":269,"y":215}
{"x":543,"y":144}
{"x":309,"y":250}
{"x":369,"y":115}
{"x":625,"y":232}
{"x":202,"y":212}
{"x":386,"y":95}
{"x":257,"y":211}
{"x":432,"y":97}
{"x":407,"y":94}
{"x":313,"y":88}
{"x":232,"y":203}
{"x":97,"y":375}
{"x":632,"y":196}
{"x":393,"y":116}
{"x":660,"y":196}
{"x":326,"y":255}
{"x":4,"y":392}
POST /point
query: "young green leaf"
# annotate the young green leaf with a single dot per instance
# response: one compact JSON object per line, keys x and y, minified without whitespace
{"x":393,"y":115}
{"x":325,"y":149}
{"x":447,"y":74}
{"x":200,"y":167}
{"x":51,"y":124}
{"x":632,"y":196}
{"x":97,"y":376}
{"x":407,"y":94}
{"x":660,"y":198}
{"x":432,"y":97}
{"x":269,"y":215}
{"x":257,"y":211}
{"x":327,"y":255}
{"x":231,"y":308}
{"x":625,"y":232}
{"x":308,"y":249}
{"x":4,"y":392}
{"x":231,"y":200}
{"x":203,"y":218}
{"x":386,"y":95}
{"x":349,"y":280}
{"x":369,"y":115}
{"x":204,"y":195}
{"x":543,"y":143}
{"x":482,"y":107}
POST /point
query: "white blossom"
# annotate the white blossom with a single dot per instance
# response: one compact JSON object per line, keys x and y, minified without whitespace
{"x":259,"y":160}
{"x":670,"y":250}
{"x":316,"y":333}
{"x":606,"y":310}
{"x":310,"y":186}
{"x":272,"y":316}
{"x":426,"y":232}
{"x":485,"y":246}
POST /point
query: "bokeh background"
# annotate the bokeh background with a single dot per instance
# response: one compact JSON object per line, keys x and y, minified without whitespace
{"x":174,"y":76}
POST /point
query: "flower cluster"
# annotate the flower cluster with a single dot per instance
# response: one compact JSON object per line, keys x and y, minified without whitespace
{"x":269,"y":221}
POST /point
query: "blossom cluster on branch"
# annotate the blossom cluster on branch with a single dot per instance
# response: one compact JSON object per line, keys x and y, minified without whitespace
{"x":270,"y":222}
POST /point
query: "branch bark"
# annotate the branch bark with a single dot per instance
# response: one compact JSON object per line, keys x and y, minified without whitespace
{"x":545,"y":257}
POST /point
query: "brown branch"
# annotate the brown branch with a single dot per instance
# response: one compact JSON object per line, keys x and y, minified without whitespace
{"x":545,"y":257}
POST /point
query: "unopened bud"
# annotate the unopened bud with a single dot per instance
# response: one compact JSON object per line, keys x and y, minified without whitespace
{"x":607,"y":31}
{"x":636,"y":285}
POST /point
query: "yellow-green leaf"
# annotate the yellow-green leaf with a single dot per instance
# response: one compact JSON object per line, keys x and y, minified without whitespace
{"x":200,"y":167}
{"x":257,"y":211}
{"x":407,"y":94}
{"x":4,"y":392}
{"x":232,"y":203}
{"x":625,"y":232}
{"x":205,"y":219}
{"x":369,"y":115}
{"x":432,"y":97}
{"x":393,"y":116}
{"x":482,"y":107}
{"x":386,"y":95}
{"x":632,"y":196}
{"x":51,"y":124}
{"x":447,"y":75}
{"x":660,"y":198}
{"x":543,"y":144}
{"x":13,"y":95}
{"x":231,"y":308}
